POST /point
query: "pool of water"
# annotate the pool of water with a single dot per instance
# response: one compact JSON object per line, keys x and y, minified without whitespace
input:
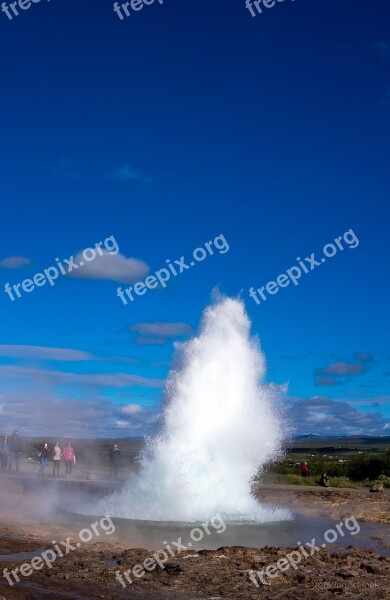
{"x":154,"y":535}
{"x":20,"y":556}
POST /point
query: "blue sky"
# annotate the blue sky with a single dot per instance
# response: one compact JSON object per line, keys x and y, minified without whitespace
{"x":178,"y":124}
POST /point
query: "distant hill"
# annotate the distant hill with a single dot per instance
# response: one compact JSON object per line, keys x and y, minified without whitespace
{"x":361,"y":439}
{"x":332,"y":443}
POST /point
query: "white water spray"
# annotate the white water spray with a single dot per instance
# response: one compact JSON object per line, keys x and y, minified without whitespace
{"x":219,"y":430}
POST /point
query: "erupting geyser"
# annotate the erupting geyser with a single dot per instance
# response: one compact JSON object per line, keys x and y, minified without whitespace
{"x":219,"y":429}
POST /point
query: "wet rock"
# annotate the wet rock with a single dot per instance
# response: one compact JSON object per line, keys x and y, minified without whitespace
{"x":368,"y":568}
{"x":347,"y":574}
{"x":377,"y":487}
{"x":173,"y":568}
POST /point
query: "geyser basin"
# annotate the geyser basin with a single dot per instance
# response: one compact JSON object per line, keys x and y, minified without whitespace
{"x":220,"y":428}
{"x":155,"y":535}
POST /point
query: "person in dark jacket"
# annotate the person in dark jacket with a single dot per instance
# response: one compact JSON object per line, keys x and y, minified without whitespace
{"x":324,"y":480}
{"x":43,"y":455}
{"x":4,"y":452}
{"x":15,"y":444}
{"x":114,"y":461}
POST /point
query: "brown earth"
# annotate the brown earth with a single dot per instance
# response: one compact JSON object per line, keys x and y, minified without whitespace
{"x":89,"y":572}
{"x":334,"y":503}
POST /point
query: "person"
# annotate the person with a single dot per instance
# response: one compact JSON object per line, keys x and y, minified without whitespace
{"x":43,"y":456}
{"x":304,"y":470}
{"x":70,"y":459}
{"x":324,"y":480}
{"x":15,"y":444}
{"x":114,"y":461}
{"x":56,"y":460}
{"x":4,"y":452}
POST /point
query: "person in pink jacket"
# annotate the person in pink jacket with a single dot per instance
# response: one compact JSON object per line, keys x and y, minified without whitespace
{"x":69,"y":457}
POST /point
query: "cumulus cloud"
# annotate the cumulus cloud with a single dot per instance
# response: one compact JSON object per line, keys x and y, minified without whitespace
{"x":380,"y":400}
{"x":342,"y":367}
{"x":130,"y":409}
{"x":123,"y":424}
{"x":112,"y":267}
{"x":14,"y":262}
{"x":127,"y":172}
{"x":69,"y":418}
{"x":159,"y":332}
{"x":324,"y":416}
{"x":44,"y":353}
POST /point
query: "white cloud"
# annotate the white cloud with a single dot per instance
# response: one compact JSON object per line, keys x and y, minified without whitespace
{"x":14,"y":262}
{"x":381,"y":400}
{"x":44,"y":353}
{"x":69,"y":418}
{"x":324,"y":416}
{"x":342,"y":367}
{"x":122,"y":424}
{"x":159,"y":332}
{"x":162,"y":329}
{"x":317,"y":417}
{"x":112,"y":267}
{"x":131,"y":409}
{"x":96,"y":380}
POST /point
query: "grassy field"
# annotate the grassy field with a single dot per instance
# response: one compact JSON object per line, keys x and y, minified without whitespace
{"x":295,"y":479}
{"x":349,"y":462}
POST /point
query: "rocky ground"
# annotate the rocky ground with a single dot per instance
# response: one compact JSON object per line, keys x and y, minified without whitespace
{"x":90,"y":571}
{"x":333,"y":503}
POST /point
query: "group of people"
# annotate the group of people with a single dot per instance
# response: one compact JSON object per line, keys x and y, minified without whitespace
{"x":10,"y":451}
{"x":57,"y":454}
{"x":324,"y":479}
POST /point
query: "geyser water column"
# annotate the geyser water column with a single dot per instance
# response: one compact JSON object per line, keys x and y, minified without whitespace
{"x":219,"y":429}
